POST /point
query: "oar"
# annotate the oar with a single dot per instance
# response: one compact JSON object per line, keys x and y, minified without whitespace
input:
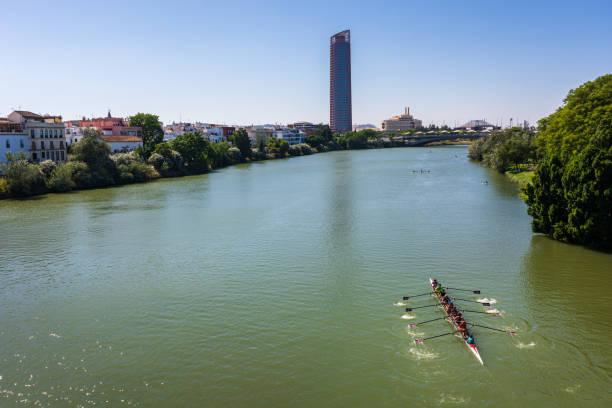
{"x":475,"y":311}
{"x":432,"y":337}
{"x":468,"y":300}
{"x":409,"y":309}
{"x":426,"y":321}
{"x":477,"y":292}
{"x":422,"y":294}
{"x":511,"y":332}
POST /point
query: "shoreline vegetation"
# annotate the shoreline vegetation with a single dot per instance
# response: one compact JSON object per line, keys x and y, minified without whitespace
{"x":563,"y":167}
{"x":90,"y":163}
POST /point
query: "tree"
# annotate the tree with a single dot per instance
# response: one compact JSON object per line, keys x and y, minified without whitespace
{"x":152,"y":131}
{"x":96,"y":154}
{"x":283,"y":148}
{"x":219,"y":156}
{"x":194,"y":149}
{"x":568,"y":130}
{"x":503,"y":148}
{"x":241,"y":140}
{"x":514,"y":151}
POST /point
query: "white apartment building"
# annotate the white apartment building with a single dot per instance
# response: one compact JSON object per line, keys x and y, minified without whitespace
{"x":73,"y":132}
{"x":46,"y":135}
{"x":292,"y":136}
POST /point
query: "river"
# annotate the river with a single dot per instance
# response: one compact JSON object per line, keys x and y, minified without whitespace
{"x":274,"y":284}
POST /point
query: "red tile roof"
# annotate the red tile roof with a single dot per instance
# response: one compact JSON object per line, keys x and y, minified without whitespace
{"x":120,"y":138}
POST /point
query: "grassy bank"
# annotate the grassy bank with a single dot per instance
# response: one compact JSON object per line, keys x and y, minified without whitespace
{"x":522,"y":178}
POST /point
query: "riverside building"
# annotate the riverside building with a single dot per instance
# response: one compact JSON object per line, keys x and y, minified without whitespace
{"x":340,"y":108}
{"x":12,"y":139}
{"x":401,"y":122}
{"x":47,"y":139}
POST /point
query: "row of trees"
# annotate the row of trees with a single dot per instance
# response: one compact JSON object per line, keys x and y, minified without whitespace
{"x":570,"y":194}
{"x":570,"y":197}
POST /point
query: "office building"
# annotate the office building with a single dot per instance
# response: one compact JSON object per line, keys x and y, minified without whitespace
{"x":340,"y":110}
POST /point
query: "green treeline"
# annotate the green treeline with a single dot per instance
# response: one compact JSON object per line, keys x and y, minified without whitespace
{"x":505,"y":149}
{"x":570,"y":194}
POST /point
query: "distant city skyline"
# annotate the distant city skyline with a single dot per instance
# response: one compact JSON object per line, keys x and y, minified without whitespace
{"x":217,"y":63}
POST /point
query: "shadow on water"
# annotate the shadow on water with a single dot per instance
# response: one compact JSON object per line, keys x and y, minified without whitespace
{"x":570,"y":286}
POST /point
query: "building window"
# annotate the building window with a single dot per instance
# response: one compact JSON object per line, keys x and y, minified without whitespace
{"x":55,"y":133}
{"x":60,"y":133}
{"x":62,"y":153}
{"x":8,"y":144}
{"x":32,"y":133}
{"x":46,"y":133}
{"x":42,"y":145}
{"x":42,"y":155}
{"x":34,"y":156}
{"x":21,"y":143}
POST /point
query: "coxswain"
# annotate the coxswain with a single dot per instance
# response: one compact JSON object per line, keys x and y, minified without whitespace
{"x":435,"y":282}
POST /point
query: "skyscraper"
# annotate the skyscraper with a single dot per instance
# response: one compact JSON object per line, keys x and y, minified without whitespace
{"x":340,"y":110}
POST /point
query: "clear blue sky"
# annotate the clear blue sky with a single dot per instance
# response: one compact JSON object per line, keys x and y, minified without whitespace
{"x":243,"y":62}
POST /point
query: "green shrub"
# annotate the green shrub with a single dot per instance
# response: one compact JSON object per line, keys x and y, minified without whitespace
{"x":234,"y":154}
{"x":305,"y":148}
{"x":46,"y":168}
{"x":60,"y":179}
{"x":22,"y":178}
{"x":295,"y":150}
{"x":80,"y":174}
{"x":131,"y":168}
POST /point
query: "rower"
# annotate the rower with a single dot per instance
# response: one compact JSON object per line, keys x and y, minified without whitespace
{"x":470,"y":340}
{"x":439,"y":288}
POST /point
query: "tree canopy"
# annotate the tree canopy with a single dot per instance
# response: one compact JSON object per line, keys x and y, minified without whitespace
{"x":569,"y":129}
{"x":572,"y":201}
{"x":241,"y":140}
{"x":194,"y":149}
{"x":152,"y":131}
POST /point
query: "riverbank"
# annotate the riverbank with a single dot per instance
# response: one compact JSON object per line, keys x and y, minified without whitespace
{"x":141,"y":171}
{"x":521,"y":178}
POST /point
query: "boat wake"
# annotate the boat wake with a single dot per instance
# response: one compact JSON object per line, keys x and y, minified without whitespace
{"x":421,"y":354}
{"x":407,"y":316}
{"x":525,"y":345}
{"x":399,"y":304}
{"x":487,"y":300}
{"x":573,"y":389}
{"x":451,"y":399}
{"x":493,"y":311}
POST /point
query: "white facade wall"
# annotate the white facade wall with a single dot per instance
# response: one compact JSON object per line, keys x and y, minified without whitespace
{"x":13,"y":142}
{"x":214,"y":135}
{"x":73,"y":134}
{"x":292,"y":136}
{"x":47,"y":141}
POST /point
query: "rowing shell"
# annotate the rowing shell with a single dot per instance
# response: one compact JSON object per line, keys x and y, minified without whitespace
{"x":472,"y":347}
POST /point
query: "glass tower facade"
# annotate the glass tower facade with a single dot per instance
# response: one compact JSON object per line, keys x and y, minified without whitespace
{"x":340,"y":110}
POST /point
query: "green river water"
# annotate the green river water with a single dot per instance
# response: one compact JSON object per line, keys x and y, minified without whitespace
{"x":274,"y":284}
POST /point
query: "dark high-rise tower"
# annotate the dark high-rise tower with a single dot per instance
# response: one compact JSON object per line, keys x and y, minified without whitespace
{"x":340,"y":110}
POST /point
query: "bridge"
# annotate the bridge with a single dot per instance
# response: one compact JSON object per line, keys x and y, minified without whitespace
{"x":425,"y":138}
